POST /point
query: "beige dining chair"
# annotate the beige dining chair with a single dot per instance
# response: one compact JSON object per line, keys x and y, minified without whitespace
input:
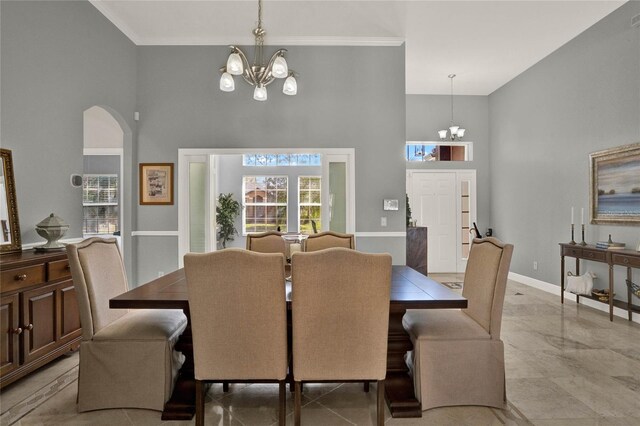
{"x":238,"y":320}
{"x":266,"y":242}
{"x":329,"y":239}
{"x":127,"y":358}
{"x":458,"y":357}
{"x":340,"y":314}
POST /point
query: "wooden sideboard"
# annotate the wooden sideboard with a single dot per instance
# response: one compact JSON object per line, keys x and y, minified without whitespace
{"x":416,"y":256}
{"x":625,"y":258}
{"x":39,"y":317}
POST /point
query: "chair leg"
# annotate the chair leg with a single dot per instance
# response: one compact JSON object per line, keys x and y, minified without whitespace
{"x":297,"y":404}
{"x":380,"y":403}
{"x":199,"y":403}
{"x":282,"y":402}
{"x":366,"y":387}
{"x":225,"y":386}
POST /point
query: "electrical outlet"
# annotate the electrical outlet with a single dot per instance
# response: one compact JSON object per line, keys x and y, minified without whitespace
{"x":383,"y":221}
{"x":535,"y":265}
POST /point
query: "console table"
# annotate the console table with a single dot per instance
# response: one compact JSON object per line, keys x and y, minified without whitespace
{"x":626,"y":258}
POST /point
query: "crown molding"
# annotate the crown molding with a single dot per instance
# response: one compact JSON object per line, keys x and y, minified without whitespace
{"x":126,"y":30}
{"x":273,"y":41}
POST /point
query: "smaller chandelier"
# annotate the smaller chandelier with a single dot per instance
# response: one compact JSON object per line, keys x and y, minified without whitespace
{"x":258,"y":74}
{"x":455,"y":131}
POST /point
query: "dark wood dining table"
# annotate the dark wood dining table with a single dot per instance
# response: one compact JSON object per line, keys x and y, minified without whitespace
{"x":409,"y":290}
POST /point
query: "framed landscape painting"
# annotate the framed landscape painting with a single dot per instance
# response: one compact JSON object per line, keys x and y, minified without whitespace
{"x":156,"y":183}
{"x":615,"y":185}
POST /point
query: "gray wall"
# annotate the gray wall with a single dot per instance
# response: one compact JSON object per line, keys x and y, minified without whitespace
{"x":58,"y":59}
{"x":582,"y":98}
{"x":181,"y":107}
{"x":426,"y":114}
{"x":230,"y":173}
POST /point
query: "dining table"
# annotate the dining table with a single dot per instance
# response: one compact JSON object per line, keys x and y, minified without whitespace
{"x":409,"y":290}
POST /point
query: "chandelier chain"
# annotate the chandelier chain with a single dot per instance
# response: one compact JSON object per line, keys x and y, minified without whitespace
{"x":451,"y":76}
{"x":454,"y":132}
{"x":259,"y":34}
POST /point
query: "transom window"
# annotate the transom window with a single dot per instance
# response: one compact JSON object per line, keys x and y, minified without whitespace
{"x":277,"y":160}
{"x":100,"y":204}
{"x":438,"y":151}
{"x":265,"y":203}
{"x":309,"y":204}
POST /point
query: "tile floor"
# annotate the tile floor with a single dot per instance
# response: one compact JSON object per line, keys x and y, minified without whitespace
{"x":565,"y":365}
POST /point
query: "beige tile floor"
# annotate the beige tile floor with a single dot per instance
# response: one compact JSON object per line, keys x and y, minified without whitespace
{"x":565,"y":365}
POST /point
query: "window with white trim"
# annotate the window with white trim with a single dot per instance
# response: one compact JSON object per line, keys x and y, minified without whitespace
{"x":438,"y":151}
{"x":265,"y":203}
{"x":100,"y":204}
{"x":309,"y":206}
{"x":278,"y":160}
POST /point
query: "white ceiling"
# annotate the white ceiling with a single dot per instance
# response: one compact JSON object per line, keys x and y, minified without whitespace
{"x":486,"y":43}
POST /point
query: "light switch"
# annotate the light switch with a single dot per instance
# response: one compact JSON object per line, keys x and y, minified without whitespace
{"x":383,"y":221}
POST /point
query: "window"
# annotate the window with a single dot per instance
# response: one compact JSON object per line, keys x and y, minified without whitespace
{"x":438,"y":151}
{"x":308,"y":204}
{"x":100,"y":204}
{"x":265,"y":203}
{"x":277,"y":160}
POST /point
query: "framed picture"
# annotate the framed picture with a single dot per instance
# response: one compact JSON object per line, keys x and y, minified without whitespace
{"x":156,"y":183}
{"x":615,"y":185}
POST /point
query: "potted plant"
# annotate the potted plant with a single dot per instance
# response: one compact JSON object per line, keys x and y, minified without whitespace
{"x":226,"y":212}
{"x":409,"y":223}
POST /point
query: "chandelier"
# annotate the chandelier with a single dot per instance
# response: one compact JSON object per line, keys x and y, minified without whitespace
{"x":455,"y":132}
{"x":258,"y":74}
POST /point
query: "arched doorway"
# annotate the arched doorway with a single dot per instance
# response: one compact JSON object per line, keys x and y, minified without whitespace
{"x":106,"y":180}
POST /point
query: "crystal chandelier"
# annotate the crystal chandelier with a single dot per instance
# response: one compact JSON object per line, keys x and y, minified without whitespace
{"x":258,"y":74}
{"x":455,"y":132}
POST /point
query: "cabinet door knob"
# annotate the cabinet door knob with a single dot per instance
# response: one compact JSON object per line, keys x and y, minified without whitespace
{"x":28,"y":327}
{"x":21,"y":277}
{"x":17,"y":330}
{"x":626,"y":260}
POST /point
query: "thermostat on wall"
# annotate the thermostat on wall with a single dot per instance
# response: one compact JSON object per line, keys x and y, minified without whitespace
{"x":390,"y":205}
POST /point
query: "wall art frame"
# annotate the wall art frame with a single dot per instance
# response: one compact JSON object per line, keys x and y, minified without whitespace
{"x":156,"y":184}
{"x":614,"y":196}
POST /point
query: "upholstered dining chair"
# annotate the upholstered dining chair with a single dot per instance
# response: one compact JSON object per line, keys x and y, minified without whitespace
{"x":340,"y":307}
{"x":458,"y":357}
{"x":266,"y":242}
{"x":329,"y":239}
{"x":127,"y":358}
{"x":238,"y":320}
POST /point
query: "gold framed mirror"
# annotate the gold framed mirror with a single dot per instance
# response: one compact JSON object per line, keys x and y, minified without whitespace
{"x":9,"y":224}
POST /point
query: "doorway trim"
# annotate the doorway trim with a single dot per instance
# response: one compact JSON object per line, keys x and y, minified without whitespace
{"x":183,"y":193}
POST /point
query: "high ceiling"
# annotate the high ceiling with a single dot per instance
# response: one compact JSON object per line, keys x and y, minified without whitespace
{"x":486,"y":43}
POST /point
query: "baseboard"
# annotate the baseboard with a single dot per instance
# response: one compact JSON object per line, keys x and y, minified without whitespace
{"x":555,"y":289}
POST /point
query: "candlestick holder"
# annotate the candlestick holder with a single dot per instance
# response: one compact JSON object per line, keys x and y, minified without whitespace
{"x":583,"y":243}
{"x":572,"y":231}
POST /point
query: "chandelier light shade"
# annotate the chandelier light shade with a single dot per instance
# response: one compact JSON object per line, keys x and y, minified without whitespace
{"x":226,"y":82}
{"x":455,"y":132}
{"x":290,"y":86}
{"x":258,"y":75}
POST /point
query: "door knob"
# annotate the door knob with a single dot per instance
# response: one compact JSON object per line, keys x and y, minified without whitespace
{"x":21,"y":277}
{"x":28,"y":327}
{"x":17,"y":330}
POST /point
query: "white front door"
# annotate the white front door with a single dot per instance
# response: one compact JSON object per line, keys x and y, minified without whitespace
{"x":433,"y":204}
{"x":445,"y":202}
